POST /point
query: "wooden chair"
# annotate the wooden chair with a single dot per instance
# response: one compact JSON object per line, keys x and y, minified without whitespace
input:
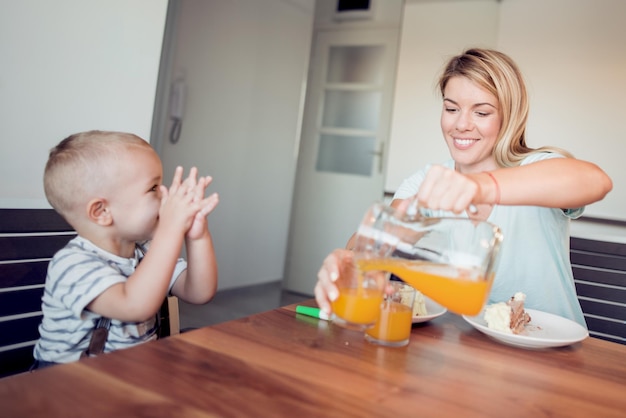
{"x":170,"y":317}
{"x":600,"y":275}
{"x":28,"y":240}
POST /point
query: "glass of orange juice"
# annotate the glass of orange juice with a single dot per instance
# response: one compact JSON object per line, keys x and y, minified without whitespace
{"x":361,"y":291}
{"x":360,"y":296}
{"x":393,"y":327}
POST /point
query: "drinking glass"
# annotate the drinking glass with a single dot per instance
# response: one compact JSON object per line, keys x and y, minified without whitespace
{"x":361,"y":291}
{"x":393,"y":327}
{"x":451,"y":260}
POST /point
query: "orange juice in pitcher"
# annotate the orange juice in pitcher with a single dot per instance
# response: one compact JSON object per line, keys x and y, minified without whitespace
{"x":450,"y":259}
{"x":461,"y":290}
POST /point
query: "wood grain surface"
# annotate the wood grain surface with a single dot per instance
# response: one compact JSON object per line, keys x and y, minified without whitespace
{"x":279,"y":363}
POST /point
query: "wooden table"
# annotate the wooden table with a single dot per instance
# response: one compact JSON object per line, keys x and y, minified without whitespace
{"x":279,"y":363}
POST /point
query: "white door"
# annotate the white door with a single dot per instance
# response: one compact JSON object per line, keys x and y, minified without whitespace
{"x":343,"y":147}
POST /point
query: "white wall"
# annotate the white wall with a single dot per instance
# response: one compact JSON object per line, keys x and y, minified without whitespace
{"x":245,"y":64}
{"x":69,"y":66}
{"x":573,"y":56}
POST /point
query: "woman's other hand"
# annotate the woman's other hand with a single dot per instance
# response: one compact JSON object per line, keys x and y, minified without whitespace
{"x":325,"y":290}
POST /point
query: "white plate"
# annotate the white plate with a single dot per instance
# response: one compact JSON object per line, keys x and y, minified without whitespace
{"x":433,"y":309}
{"x":544,"y":330}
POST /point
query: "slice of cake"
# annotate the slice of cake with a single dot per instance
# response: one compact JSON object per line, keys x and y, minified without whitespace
{"x":419,"y":305}
{"x":509,"y":316}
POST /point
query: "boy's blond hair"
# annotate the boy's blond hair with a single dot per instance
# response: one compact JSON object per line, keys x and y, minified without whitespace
{"x":77,"y":167}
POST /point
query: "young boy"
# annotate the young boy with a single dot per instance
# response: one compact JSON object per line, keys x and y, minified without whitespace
{"x":108,"y":186}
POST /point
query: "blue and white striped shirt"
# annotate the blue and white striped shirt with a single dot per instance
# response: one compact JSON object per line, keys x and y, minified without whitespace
{"x":77,"y":274}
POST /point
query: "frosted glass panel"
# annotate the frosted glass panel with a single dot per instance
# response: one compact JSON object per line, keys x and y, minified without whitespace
{"x":351,"y":109}
{"x":352,"y":101}
{"x":346,"y":154}
{"x":356,"y":64}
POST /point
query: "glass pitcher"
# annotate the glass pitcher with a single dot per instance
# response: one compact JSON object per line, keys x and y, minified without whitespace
{"x":450,"y":260}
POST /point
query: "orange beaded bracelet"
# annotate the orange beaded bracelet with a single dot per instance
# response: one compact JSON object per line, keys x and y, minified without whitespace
{"x":497,"y":187}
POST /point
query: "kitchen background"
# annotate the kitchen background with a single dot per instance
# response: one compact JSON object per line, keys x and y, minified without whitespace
{"x":249,"y":69}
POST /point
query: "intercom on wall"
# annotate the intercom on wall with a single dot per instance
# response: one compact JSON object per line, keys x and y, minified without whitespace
{"x":177,"y":99}
{"x":177,"y":108}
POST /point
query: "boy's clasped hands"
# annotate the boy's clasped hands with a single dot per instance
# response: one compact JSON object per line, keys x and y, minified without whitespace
{"x":184,"y":206}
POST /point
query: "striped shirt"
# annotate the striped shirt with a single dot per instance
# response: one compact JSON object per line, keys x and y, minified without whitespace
{"x":77,"y":274}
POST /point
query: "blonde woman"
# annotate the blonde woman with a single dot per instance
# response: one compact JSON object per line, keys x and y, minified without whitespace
{"x":532,"y":194}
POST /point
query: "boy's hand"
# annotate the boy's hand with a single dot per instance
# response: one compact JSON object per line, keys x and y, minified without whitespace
{"x":199,"y":226}
{"x":179,"y":203}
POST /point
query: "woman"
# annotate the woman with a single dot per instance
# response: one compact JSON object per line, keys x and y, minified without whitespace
{"x":531,"y":194}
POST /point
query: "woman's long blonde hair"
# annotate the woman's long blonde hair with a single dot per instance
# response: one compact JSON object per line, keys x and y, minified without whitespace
{"x":498,"y":74}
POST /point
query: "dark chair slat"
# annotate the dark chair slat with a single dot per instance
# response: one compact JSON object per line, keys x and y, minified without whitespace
{"x":602,"y":293}
{"x":607,"y":310}
{"x":608,"y":338}
{"x":32,"y":220}
{"x":19,"y":330}
{"x":591,"y":274}
{"x":16,"y":361}
{"x":602,"y":247}
{"x":20,"y":301}
{"x":31,"y":247}
{"x":606,"y":327}
{"x":23,"y":274}
{"x":605,"y":261}
{"x":164,"y":317}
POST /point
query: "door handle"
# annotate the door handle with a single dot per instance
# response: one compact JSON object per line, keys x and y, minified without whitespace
{"x":379,"y":154}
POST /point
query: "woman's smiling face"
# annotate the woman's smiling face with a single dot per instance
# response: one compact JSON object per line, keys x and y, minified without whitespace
{"x":470,"y":122}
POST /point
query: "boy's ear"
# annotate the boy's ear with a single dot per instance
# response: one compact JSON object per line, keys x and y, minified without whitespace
{"x":98,"y":212}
